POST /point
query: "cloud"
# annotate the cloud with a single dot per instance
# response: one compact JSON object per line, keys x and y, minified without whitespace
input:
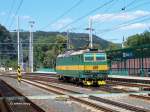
{"x":136,"y":26}
{"x":26,"y":17}
{"x":21,"y":17}
{"x":120,"y":16}
{"x":61,"y":23}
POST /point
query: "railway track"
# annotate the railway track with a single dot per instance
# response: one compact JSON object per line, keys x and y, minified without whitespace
{"x":108,"y":79}
{"x":140,"y":97}
{"x":120,"y":104}
{"x":129,"y":80}
{"x":13,"y":101}
{"x":62,"y":91}
{"x":129,"y":84}
{"x":108,"y":88}
{"x":60,"y":88}
{"x":45,"y":77}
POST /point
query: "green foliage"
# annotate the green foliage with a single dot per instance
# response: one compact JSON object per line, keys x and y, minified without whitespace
{"x":47,"y":45}
{"x":12,"y":63}
{"x":45,"y":54}
{"x":113,"y":46}
{"x":7,"y":48}
{"x":81,"y":40}
{"x":138,"y":39}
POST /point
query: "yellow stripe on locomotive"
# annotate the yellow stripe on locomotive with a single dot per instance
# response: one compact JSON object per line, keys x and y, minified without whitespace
{"x":82,"y":67}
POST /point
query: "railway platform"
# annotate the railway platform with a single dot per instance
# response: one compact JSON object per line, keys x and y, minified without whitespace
{"x":129,"y":77}
{"x":135,"y":79}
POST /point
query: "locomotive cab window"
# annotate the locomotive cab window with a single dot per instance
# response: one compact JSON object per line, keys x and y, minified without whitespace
{"x":88,"y":57}
{"x":100,"y":57}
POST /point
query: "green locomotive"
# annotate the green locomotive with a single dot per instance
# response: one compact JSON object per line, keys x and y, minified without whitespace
{"x":88,"y":67}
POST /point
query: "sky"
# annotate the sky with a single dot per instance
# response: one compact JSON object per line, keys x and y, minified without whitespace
{"x":111,"y":19}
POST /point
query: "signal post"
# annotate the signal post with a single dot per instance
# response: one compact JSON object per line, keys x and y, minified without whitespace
{"x":19,"y":75}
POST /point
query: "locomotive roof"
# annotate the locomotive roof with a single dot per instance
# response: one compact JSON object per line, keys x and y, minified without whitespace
{"x":72,"y":52}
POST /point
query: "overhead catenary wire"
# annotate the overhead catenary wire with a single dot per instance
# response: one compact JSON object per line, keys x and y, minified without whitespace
{"x":129,"y":4}
{"x":133,"y":2}
{"x":124,"y":25}
{"x":107,"y":9}
{"x":63,"y":14}
{"x":127,"y":22}
{"x":28,"y":43}
{"x":10,"y":11}
{"x":87,"y":14}
{"x":120,"y":11}
{"x":141,"y":4}
{"x":15,"y":14}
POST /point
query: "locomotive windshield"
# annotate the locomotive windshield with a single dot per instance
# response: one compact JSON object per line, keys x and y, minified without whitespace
{"x":100,"y":56}
{"x":90,"y":57}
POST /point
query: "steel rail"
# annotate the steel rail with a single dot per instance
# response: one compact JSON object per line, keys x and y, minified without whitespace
{"x":102,"y":88}
{"x":119,"y":104}
{"x":128,"y":84}
{"x":140,"y":97}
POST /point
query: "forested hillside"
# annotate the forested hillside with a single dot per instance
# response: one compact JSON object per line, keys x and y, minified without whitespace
{"x":77,"y":40}
{"x":47,"y":45}
{"x":7,"y":48}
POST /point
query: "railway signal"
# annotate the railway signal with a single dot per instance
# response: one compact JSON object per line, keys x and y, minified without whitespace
{"x":19,"y":76}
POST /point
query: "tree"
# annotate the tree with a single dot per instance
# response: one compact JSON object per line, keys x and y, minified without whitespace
{"x":138,"y":39}
{"x":7,"y":48}
{"x":46,"y":53}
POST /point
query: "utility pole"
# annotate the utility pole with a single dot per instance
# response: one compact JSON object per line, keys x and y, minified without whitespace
{"x":90,"y":33}
{"x":31,"y":46}
{"x":21,"y":54}
{"x":68,"y":40}
{"x":18,"y":39}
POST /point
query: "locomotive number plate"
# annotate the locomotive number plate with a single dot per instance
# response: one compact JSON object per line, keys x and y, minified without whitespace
{"x":95,"y":67}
